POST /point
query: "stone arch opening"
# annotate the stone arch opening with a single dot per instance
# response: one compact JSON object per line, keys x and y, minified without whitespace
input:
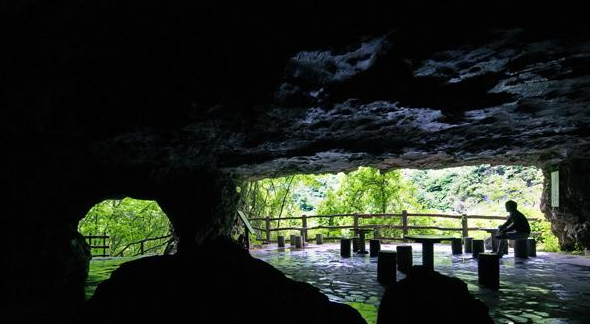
{"x":116,"y":231}
{"x":128,"y":227}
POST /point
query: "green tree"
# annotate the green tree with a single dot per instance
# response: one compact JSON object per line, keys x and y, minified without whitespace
{"x":127,"y":221}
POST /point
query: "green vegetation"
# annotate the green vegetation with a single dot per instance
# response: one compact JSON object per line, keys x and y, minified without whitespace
{"x":473,"y":190}
{"x":367,"y":311}
{"x":100,"y":270}
{"x":128,"y":222}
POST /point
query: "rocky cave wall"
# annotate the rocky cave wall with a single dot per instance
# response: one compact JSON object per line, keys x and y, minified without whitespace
{"x":570,"y":221}
{"x":175,"y":103}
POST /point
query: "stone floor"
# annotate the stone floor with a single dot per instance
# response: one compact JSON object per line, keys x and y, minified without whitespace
{"x":551,"y":288}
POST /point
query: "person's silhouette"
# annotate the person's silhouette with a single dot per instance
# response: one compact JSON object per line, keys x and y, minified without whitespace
{"x":515,"y":228}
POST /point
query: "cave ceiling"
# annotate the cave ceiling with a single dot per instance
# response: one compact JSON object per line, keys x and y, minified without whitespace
{"x":274,"y":88}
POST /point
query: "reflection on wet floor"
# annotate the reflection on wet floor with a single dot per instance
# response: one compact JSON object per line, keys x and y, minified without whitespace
{"x":551,"y":288}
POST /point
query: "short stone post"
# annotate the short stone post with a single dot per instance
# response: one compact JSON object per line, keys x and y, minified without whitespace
{"x":345,"y":247}
{"x":532,"y":247}
{"x":488,"y":270}
{"x":374,"y":248}
{"x":298,"y":242}
{"x":428,"y":255}
{"x":281,"y":241}
{"x":319,"y":239}
{"x":468,"y":241}
{"x":404,"y":258}
{"x":521,"y":249}
{"x":456,"y":246}
{"x":356,"y":246}
{"x":386,"y":267}
{"x":292,"y":240}
{"x":477,"y":247}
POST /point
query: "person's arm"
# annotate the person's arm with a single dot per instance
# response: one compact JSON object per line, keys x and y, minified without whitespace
{"x":509,"y":227}
{"x":508,"y":224}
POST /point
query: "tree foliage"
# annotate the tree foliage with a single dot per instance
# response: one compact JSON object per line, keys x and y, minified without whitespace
{"x":127,"y":221}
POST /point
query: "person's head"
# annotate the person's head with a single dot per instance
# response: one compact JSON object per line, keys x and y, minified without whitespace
{"x":510,"y":205}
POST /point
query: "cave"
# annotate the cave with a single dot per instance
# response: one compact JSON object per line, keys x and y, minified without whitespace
{"x":179,"y":103}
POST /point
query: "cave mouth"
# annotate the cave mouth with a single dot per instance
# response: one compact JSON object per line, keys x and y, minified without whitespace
{"x":117,"y":231}
{"x":467,"y":190}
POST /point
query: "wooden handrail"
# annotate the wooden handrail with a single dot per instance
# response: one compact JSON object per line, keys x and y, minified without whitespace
{"x":464,"y":228}
{"x":391,"y":215}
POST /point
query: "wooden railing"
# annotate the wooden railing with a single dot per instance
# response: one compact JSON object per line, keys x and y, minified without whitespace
{"x":142,"y":250}
{"x":462,"y":226}
{"x":92,"y":239}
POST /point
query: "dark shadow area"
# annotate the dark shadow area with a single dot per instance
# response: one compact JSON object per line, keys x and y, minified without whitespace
{"x":216,"y":283}
{"x":426,"y":296}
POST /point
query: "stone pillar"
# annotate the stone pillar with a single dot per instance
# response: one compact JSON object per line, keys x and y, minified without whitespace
{"x":468,"y":241}
{"x":428,"y":255}
{"x":281,"y":241}
{"x":478,"y":247}
{"x":362,"y":246}
{"x":319,"y":239}
{"x":521,"y":248}
{"x":298,"y":242}
{"x":355,"y":244}
{"x":404,"y":258}
{"x":532,"y":247}
{"x":374,"y":248}
{"x":456,"y":246}
{"x":386,"y":267}
{"x":345,"y":247}
{"x":488,"y":270}
{"x":292,"y":240}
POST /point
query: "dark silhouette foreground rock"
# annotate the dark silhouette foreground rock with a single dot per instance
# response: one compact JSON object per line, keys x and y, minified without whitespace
{"x":430,"y":297}
{"x":216,"y":283}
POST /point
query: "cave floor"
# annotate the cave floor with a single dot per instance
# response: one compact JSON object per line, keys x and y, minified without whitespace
{"x":551,"y":288}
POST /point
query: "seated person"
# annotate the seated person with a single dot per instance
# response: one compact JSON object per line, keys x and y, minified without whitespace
{"x":515,"y":228}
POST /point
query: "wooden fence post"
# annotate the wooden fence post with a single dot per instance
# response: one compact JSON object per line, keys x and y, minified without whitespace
{"x":405,"y":222}
{"x":464,"y":225}
{"x":104,"y":244}
{"x":267,"y":229}
{"x":304,"y":231}
{"x":141,"y":247}
{"x":356,"y":224}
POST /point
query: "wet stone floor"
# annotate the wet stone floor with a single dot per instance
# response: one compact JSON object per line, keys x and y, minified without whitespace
{"x":551,"y":288}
